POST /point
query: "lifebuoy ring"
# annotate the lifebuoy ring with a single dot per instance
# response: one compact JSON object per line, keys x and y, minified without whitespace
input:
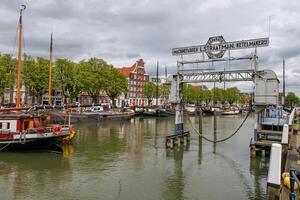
{"x":57,"y":130}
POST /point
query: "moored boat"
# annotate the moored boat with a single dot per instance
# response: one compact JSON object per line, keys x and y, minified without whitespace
{"x":27,"y":131}
{"x":191,"y":109}
{"x":208,"y":110}
{"x":139,"y":111}
{"x":90,"y":116}
{"x":269,"y":127}
{"x":26,"y":128}
{"x":232,"y":110}
{"x":150,"y":112}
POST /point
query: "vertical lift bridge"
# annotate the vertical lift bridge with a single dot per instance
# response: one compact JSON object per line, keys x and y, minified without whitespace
{"x":266,"y":83}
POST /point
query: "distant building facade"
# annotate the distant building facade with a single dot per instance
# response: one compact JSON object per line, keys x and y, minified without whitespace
{"x":163,"y":98}
{"x":136,"y":77}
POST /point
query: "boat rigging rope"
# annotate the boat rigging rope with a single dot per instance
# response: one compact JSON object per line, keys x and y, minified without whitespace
{"x":5,"y":146}
{"x":222,"y":140}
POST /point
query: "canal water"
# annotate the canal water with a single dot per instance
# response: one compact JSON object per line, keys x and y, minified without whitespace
{"x":128,"y":160}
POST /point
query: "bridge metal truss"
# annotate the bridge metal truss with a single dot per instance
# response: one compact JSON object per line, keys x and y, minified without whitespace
{"x":219,"y":76}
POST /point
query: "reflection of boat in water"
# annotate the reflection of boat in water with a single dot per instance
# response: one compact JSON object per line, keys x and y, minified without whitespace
{"x":232,"y":110}
{"x":68,"y":150}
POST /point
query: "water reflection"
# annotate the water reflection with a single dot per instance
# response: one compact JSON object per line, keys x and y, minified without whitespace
{"x":68,"y":150}
{"x":259,"y":168}
{"x":134,"y":142}
{"x":128,"y":160}
{"x":175,"y":183}
{"x":199,"y":151}
{"x":30,"y":171}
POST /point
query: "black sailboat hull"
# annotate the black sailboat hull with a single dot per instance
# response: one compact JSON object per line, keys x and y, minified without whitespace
{"x":45,"y":144}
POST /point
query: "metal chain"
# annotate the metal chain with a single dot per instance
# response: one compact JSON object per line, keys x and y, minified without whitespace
{"x":222,"y":140}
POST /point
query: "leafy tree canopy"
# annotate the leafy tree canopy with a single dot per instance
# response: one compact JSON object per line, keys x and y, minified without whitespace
{"x":116,"y":84}
{"x":8,"y":72}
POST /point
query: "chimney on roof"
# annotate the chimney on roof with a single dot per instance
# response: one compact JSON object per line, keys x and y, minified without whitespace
{"x":140,"y":63}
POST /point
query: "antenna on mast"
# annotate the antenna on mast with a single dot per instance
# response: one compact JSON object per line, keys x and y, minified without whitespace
{"x":269,"y":26}
{"x":283,"y":77}
{"x":50,"y":72}
{"x":22,"y":8}
{"x":157,"y":83}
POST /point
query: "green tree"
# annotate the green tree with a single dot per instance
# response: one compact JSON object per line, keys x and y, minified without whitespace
{"x":8,"y":73}
{"x":244,"y":99}
{"x":93,"y":74}
{"x":164,"y":91}
{"x":149,"y":91}
{"x":188,"y":93}
{"x":232,"y":95}
{"x":218,"y":95}
{"x":291,"y":99}
{"x":35,"y":76}
{"x":199,"y":95}
{"x":207,"y":96}
{"x":67,"y":78}
{"x":116,"y":84}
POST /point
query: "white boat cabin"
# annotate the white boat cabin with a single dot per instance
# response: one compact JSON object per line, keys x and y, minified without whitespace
{"x":18,"y":123}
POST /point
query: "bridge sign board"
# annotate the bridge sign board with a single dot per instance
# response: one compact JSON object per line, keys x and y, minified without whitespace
{"x":216,"y":46}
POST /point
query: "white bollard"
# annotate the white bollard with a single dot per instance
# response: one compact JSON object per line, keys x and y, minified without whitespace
{"x":274,"y":173}
{"x":285,"y":134}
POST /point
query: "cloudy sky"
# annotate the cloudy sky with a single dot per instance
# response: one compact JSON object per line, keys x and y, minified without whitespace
{"x":122,"y":31}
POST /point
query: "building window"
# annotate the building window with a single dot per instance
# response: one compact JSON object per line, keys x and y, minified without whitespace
{"x":0,"y":125}
{"x":8,"y":125}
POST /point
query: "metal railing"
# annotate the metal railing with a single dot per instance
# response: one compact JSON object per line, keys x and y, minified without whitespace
{"x":293,"y":179}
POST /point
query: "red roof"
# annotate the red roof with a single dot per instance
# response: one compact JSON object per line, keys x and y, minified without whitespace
{"x":127,"y":70}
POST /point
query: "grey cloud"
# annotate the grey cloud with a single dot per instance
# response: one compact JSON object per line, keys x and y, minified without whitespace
{"x":122,"y":31}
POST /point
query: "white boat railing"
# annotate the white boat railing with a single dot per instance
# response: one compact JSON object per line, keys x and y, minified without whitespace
{"x":292,"y":115}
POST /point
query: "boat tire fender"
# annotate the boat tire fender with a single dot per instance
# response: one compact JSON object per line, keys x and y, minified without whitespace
{"x":57,"y":130}
{"x":22,"y":137}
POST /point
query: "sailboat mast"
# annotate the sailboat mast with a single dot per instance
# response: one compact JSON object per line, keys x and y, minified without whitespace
{"x":18,"y":99}
{"x":157,"y":84}
{"x":50,"y":74}
{"x":283,"y":77}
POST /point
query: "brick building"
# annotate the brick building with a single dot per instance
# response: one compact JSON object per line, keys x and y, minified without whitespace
{"x":136,"y":77}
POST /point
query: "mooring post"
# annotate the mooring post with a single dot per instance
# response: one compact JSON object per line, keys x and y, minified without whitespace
{"x":274,"y":173}
{"x":200,"y":125}
{"x":215,"y":126}
{"x":292,"y":184}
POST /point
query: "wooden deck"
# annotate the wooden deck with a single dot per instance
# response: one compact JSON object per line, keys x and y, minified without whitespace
{"x":269,"y":132}
{"x":265,"y":143}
